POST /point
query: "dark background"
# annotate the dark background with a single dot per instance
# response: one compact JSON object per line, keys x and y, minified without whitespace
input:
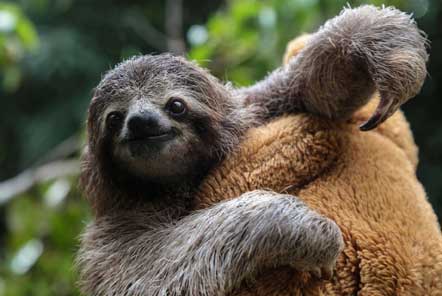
{"x":53,"y":52}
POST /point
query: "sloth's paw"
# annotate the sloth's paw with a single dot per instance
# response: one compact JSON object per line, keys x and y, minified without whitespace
{"x":321,"y":245}
{"x":394,"y":51}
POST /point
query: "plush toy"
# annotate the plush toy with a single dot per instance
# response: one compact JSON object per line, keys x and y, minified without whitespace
{"x":365,"y":181}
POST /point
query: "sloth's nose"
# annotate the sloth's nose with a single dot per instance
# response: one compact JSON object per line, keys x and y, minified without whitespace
{"x":143,"y":125}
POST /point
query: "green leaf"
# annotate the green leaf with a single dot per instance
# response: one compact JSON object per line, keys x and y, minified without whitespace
{"x":27,"y":34}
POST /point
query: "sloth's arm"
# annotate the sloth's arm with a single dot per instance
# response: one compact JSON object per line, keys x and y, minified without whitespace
{"x":215,"y":249}
{"x":210,"y":252}
{"x":354,"y":54}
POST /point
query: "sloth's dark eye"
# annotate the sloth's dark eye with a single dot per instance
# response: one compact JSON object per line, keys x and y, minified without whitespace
{"x":114,"y":119}
{"x":176,"y":107}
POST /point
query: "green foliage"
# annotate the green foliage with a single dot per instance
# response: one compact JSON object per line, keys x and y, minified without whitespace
{"x":45,"y":224}
{"x":17,"y":38}
{"x":247,"y":39}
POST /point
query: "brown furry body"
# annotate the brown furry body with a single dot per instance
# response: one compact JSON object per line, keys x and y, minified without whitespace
{"x":366,"y":182}
{"x":141,"y":176}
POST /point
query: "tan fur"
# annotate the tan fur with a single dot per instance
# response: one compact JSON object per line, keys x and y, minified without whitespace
{"x":295,"y":46}
{"x":366,"y":182}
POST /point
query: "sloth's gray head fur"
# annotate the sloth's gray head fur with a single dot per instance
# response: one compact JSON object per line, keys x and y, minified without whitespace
{"x":157,"y":119}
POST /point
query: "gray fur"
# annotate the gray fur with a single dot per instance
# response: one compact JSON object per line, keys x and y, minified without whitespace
{"x":209,"y":252}
{"x":145,"y":240}
{"x":361,"y":51}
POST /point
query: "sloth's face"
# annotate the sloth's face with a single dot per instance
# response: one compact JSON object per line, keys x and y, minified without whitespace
{"x":158,"y":117}
{"x":153,"y":137}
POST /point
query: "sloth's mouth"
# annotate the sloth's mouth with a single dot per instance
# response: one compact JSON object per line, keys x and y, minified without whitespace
{"x":154,"y":138}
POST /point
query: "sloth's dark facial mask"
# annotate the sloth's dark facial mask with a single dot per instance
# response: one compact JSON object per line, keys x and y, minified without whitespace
{"x":155,"y":138}
{"x":147,"y":129}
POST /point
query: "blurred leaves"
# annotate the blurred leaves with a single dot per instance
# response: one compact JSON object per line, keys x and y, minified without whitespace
{"x":18,"y":37}
{"x":40,"y":253}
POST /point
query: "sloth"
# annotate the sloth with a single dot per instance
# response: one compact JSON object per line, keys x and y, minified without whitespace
{"x":157,"y":125}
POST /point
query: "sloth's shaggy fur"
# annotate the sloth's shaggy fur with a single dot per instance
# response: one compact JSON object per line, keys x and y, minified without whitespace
{"x":208,"y":252}
{"x":145,"y":239}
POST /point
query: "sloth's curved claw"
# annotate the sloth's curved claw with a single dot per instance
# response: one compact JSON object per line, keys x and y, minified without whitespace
{"x":384,"y":110}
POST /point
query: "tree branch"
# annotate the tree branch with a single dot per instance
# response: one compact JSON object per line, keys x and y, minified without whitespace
{"x":138,"y":23}
{"x":174,"y":26}
{"x":28,"y":178}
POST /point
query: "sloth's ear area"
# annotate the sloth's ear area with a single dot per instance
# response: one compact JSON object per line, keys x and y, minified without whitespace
{"x":90,"y":181}
{"x":86,"y":171}
{"x":295,"y":46}
{"x":94,"y":120}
